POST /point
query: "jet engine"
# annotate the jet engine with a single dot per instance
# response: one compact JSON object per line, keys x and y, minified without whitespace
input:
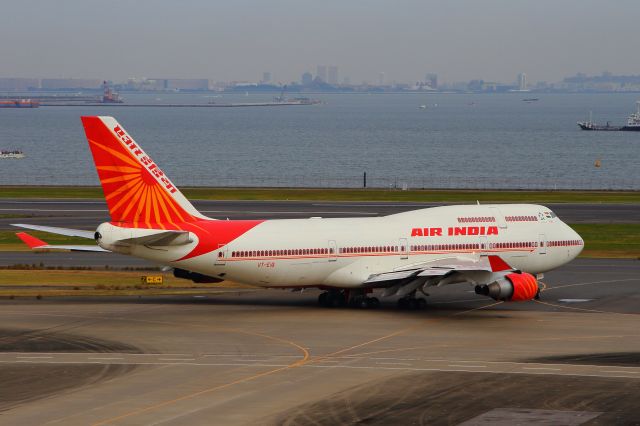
{"x":512,"y":287}
{"x":195,"y":277}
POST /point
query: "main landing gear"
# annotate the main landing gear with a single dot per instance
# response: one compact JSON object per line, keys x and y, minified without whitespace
{"x":358,"y":299}
{"x":411,"y":302}
{"x":341,"y":298}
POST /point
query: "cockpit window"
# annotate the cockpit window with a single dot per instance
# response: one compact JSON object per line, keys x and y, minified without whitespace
{"x":553,"y":214}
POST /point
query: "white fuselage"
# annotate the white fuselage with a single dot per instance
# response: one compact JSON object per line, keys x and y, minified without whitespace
{"x":345,"y":252}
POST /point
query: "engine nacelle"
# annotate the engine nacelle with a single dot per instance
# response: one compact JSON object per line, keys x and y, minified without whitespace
{"x":195,"y":277}
{"x":512,"y":287}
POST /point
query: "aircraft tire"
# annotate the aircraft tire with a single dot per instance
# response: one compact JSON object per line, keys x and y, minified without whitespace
{"x":422,"y":304}
{"x":323,"y":299}
{"x":336,"y":299}
{"x":373,"y":302}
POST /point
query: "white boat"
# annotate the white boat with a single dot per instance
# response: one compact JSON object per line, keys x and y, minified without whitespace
{"x":12,"y":154}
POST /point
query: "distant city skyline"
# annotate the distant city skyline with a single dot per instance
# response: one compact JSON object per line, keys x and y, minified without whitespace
{"x":462,"y":40}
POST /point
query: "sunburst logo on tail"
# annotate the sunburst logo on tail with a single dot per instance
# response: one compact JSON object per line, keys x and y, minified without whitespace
{"x":137,"y":191}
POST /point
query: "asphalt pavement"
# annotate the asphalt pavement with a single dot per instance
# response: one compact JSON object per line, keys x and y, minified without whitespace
{"x":274,"y":357}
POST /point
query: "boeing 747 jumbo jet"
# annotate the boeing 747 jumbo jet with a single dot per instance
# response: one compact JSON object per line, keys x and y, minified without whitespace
{"x":500,"y":249}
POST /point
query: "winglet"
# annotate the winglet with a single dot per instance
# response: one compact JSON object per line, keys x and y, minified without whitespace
{"x":30,"y":240}
{"x":497,"y":264}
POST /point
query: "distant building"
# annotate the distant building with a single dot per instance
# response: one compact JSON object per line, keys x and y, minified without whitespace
{"x":606,"y":82}
{"x":333,"y":75}
{"x":177,"y":84}
{"x":266,"y":77}
{"x":70,"y":83}
{"x":522,"y":81}
{"x":19,"y":84}
{"x":431,"y":80}
{"x":306,"y":79}
{"x":321,"y":72}
{"x":381,"y":78}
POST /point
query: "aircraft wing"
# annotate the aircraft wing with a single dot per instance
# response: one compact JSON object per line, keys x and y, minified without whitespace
{"x":37,"y":244}
{"x":438,"y":268}
{"x":55,"y":230}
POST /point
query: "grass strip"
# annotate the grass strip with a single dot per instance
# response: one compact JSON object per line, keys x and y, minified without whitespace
{"x":33,"y":283}
{"x":308,"y":194}
{"x":610,"y":240}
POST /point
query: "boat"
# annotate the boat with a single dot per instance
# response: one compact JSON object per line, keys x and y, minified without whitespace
{"x":19,"y":103}
{"x":530,"y":99}
{"x":12,"y":154}
{"x":109,"y":96}
{"x":633,"y":123}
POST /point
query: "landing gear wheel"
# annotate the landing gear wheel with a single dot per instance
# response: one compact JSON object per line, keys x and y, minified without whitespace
{"x":336,"y":299}
{"x":412,"y":303}
{"x":373,"y":302}
{"x":323,"y":299}
{"x":422,"y":304}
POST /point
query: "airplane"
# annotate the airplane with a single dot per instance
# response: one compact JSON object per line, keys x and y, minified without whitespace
{"x":502,"y":250}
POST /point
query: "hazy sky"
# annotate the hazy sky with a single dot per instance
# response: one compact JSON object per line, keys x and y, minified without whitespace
{"x":239,"y":39}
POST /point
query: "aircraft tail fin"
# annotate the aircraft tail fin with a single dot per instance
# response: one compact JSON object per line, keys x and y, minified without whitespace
{"x":137,"y":192}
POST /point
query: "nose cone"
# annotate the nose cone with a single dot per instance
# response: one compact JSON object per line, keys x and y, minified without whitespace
{"x":576,"y":248}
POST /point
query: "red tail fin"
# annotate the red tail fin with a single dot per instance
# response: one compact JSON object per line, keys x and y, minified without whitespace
{"x":136,"y":190}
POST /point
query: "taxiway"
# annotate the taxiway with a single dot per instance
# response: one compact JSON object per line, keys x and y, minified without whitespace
{"x":274,"y":357}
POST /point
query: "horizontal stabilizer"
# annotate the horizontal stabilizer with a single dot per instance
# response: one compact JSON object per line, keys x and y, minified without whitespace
{"x":55,"y":230}
{"x":162,"y":238}
{"x":37,"y":244}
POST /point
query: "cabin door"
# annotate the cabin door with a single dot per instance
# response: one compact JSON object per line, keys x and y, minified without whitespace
{"x":542,"y":244}
{"x":333,"y":251}
{"x":484,"y":246}
{"x":223,"y":251}
{"x":502,"y":224}
{"x":403,"y":248}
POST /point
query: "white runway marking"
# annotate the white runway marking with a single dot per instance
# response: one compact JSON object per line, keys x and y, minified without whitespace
{"x":53,"y":202}
{"x":466,"y":366}
{"x":347,"y":204}
{"x":500,"y":367}
{"x":105,"y":358}
{"x":54,"y":210}
{"x":310,"y":212}
{"x":541,"y":368}
{"x":34,"y":357}
{"x":177,"y":359}
{"x":591,"y":282}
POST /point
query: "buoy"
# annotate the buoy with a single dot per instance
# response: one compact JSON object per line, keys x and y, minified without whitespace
{"x":598,"y":163}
